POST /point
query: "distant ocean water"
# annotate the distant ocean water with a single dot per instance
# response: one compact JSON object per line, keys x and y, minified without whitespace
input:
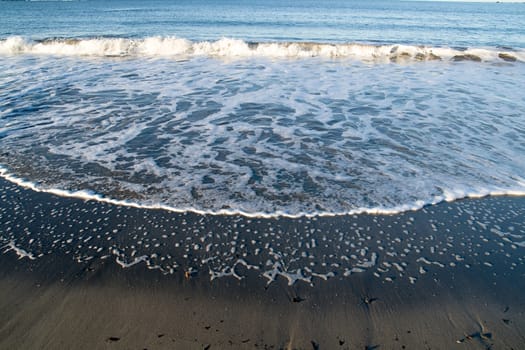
{"x":264,"y":107}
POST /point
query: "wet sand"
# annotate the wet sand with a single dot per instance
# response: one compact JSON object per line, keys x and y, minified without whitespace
{"x":449,"y":276}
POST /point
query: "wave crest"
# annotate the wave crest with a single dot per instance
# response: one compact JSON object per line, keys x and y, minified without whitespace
{"x":227,"y":47}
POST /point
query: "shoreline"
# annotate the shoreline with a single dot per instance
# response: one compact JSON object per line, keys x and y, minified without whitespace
{"x":71,"y":296}
{"x":88,"y":195}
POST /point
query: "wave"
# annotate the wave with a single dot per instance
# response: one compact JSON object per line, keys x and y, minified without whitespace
{"x":227,"y":47}
{"x":88,"y":195}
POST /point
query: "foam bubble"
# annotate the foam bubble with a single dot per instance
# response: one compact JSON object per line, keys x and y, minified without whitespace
{"x":22,"y":253}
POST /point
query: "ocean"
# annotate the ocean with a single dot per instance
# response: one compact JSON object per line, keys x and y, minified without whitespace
{"x":264,"y":108}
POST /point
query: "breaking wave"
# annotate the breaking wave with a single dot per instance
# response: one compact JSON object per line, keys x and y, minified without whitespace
{"x":235,"y":48}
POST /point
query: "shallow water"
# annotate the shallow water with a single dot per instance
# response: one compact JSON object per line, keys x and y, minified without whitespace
{"x":354,"y":107}
{"x":265,"y":136}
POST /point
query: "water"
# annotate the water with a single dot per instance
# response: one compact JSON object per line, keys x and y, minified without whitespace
{"x":262,"y":107}
{"x":408,"y":22}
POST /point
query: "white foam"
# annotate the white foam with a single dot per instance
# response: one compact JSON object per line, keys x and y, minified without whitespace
{"x":231,"y":270}
{"x":91,"y":196}
{"x":368,"y":263}
{"x":135,"y":261}
{"x":227,"y":47}
{"x":19,"y":251}
{"x":398,"y":267}
{"x":428,"y":262}
{"x":292,"y":277}
{"x":263,"y":138}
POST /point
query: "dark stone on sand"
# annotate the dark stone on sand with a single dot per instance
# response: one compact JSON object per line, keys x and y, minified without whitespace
{"x":478,"y":335}
{"x":113,"y":339}
{"x":315,"y":345}
{"x":507,"y":57}
{"x":369,"y":301}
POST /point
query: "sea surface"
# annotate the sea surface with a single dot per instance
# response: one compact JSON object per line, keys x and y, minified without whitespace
{"x":264,"y":108}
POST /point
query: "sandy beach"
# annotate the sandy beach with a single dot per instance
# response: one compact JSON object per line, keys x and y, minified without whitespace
{"x":463,"y":291}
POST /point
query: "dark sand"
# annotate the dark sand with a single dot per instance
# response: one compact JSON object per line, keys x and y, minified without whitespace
{"x":450,"y":276}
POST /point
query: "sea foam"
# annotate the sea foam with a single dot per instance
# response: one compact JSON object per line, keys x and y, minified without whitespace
{"x":261,"y":137}
{"x":236,"y":48}
{"x":89,"y":195}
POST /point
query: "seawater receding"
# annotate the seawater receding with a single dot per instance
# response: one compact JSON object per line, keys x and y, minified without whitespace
{"x":486,"y":233}
{"x":90,"y":195}
{"x":292,"y":137}
{"x":236,"y":48}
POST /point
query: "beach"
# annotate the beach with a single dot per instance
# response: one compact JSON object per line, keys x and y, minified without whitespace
{"x":263,"y":174}
{"x":427,"y":300}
